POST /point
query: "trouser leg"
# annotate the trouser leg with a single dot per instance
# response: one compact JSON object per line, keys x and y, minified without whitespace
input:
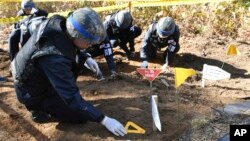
{"x":14,"y":40}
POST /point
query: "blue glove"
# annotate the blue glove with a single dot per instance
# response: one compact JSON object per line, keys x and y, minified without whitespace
{"x":144,"y":64}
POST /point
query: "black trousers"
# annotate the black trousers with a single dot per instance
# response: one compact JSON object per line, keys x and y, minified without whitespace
{"x":14,"y":40}
{"x":51,"y":104}
{"x":168,"y":54}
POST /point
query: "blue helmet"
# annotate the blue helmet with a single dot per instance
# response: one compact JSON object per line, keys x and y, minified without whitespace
{"x":165,"y":27}
{"x":85,"y":23}
{"x":123,"y":19}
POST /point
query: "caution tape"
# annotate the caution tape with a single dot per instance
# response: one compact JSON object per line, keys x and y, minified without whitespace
{"x":175,"y":2}
{"x":138,"y":3}
{"x":80,"y":0}
{"x":97,"y":9}
{"x":10,"y":20}
{"x":107,"y":8}
{"x":183,"y":1}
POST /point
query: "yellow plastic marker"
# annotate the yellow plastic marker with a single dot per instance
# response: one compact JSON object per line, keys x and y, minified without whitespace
{"x":137,"y":130}
{"x":232,"y":50}
{"x":181,"y":74}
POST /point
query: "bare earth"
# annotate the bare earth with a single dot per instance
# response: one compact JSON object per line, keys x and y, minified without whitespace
{"x":127,"y":97}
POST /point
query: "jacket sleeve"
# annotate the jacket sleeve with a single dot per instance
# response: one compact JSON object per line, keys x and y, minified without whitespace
{"x":177,"y":36}
{"x":58,"y":71}
{"x":144,"y":44}
{"x":107,"y":28}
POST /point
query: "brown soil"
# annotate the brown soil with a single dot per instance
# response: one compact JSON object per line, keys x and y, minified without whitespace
{"x":127,"y":97}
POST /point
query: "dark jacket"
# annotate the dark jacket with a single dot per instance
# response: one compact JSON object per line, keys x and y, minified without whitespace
{"x":47,"y":66}
{"x":124,"y":36}
{"x":151,"y":38}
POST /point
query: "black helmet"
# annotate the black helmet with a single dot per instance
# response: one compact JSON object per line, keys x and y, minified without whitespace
{"x":165,"y":27}
{"x":123,"y":19}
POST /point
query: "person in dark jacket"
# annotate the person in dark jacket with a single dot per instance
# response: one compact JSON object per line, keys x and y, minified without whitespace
{"x":164,"y":33}
{"x":46,"y":68}
{"x":28,"y":9}
{"x":120,"y":30}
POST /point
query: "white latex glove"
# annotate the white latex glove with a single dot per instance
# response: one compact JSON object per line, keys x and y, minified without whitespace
{"x":113,"y":74}
{"x":144,"y":64}
{"x":93,"y":66}
{"x":114,"y":126}
{"x":165,"y":68}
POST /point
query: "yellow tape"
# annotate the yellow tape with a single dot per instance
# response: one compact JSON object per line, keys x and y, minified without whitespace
{"x":114,"y":7}
{"x":138,"y":3}
{"x":202,"y":1}
{"x":174,"y":2}
{"x":10,"y":20}
{"x":78,"y":0}
{"x":97,"y":9}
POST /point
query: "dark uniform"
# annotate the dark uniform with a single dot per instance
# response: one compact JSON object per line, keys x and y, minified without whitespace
{"x":152,"y":42}
{"x":121,"y":36}
{"x":45,"y":72}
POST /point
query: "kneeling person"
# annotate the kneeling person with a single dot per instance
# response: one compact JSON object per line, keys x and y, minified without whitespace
{"x":164,"y":33}
{"x":46,"y":68}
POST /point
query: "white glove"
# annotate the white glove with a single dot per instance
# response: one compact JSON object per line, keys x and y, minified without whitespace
{"x":165,"y":68}
{"x":114,"y":126}
{"x":113,"y":74}
{"x":144,"y":64}
{"x":93,"y":66}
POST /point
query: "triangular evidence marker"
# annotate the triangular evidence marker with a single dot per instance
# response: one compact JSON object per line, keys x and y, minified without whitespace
{"x":137,"y":129}
{"x":233,"y":50}
{"x":149,"y":74}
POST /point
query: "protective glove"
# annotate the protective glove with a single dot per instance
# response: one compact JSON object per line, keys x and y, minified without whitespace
{"x":114,"y":126}
{"x":144,"y":64}
{"x":164,"y":68}
{"x":113,"y":74}
{"x":93,"y":66}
